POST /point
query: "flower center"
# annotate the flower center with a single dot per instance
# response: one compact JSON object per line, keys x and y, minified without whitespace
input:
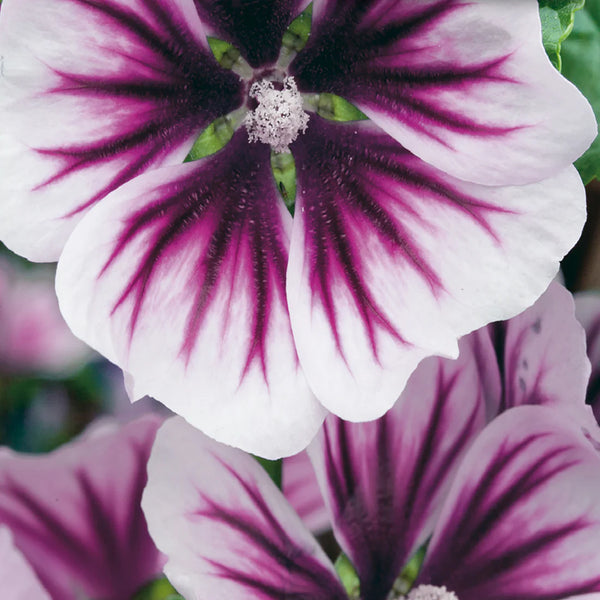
{"x":430,"y":592}
{"x":279,"y":117}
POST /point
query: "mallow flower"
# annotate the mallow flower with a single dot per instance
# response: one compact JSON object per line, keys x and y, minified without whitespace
{"x":71,"y":524}
{"x":469,"y":488}
{"x":517,"y":519}
{"x":447,"y":208}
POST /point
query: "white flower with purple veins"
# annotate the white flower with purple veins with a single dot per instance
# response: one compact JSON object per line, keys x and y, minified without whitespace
{"x":448,"y":208}
{"x":71,"y":524}
{"x":442,"y":498}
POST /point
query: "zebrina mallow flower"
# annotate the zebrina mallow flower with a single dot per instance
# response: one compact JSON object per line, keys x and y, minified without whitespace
{"x":475,"y":505}
{"x":517,"y":519}
{"x":72,"y":521}
{"x":448,"y":208}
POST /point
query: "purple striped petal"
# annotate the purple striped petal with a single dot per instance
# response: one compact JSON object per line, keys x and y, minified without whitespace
{"x":255,"y":28}
{"x":465,"y":85}
{"x":99,"y":91}
{"x":522,"y":520}
{"x":17,"y":578}
{"x":587,"y":307}
{"x":541,"y":354}
{"x":179,"y":278}
{"x":228,"y":532}
{"x":391,"y":260}
{"x":384,"y":481}
{"x":301,"y":490}
{"x":75,"y":513}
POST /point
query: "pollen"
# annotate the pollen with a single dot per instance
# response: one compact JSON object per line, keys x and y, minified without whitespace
{"x":279,"y":117}
{"x":431,"y":592}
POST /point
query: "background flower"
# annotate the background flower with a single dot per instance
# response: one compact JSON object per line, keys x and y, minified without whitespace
{"x":75,"y":513}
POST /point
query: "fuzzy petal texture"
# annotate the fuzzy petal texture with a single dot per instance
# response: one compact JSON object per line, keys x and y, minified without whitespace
{"x":301,"y":490}
{"x":255,"y":28}
{"x":179,"y":278}
{"x":19,"y":582}
{"x":587,"y":307}
{"x":392,"y":260}
{"x":522,"y":519}
{"x":384,"y":481}
{"x":95,"y":93}
{"x":465,"y":85}
{"x":75,"y":513}
{"x":227,"y":530}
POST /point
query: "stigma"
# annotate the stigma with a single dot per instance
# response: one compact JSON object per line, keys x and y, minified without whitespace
{"x":279,"y":117}
{"x":430,"y":592}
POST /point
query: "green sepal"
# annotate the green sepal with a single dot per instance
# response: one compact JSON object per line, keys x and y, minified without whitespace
{"x":212,"y":139}
{"x":410,"y":571}
{"x":225,"y":53}
{"x":159,"y":589}
{"x":348,"y":576}
{"x":284,"y":172}
{"x":297,"y":33}
{"x":335,"y":108}
{"x":581,"y":65}
{"x":557,"y":18}
{"x":274,"y":469}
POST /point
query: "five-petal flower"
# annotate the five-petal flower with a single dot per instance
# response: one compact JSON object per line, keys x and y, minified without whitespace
{"x":450,"y":208}
{"x":502,"y":506}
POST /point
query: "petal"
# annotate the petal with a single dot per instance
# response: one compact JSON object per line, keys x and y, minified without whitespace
{"x":384,"y":481}
{"x":228,"y":532}
{"x":587,"y":307}
{"x":75,"y":513}
{"x":301,"y":490}
{"x":19,"y":582}
{"x":541,"y":354}
{"x":392,"y":260}
{"x":99,"y":91}
{"x":186,"y":265}
{"x":522,"y":519}
{"x":465,"y":85}
{"x":255,"y":28}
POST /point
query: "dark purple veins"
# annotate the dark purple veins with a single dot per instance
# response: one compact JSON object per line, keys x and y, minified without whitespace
{"x":282,"y":569}
{"x":169,"y":89}
{"x":222,"y":221}
{"x":370,"y":55}
{"x":355,"y":181}
{"x":255,"y":28}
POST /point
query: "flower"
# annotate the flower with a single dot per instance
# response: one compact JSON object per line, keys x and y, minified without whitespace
{"x":495,"y":507}
{"x":18,"y":579}
{"x":33,"y":335}
{"x":74,"y":516}
{"x":588,"y":312}
{"x":449,"y":208}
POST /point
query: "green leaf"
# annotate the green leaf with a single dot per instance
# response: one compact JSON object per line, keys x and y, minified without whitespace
{"x":160,"y":589}
{"x":273,"y":469}
{"x":334,"y":108}
{"x":557,"y":18}
{"x":225,"y":53}
{"x":284,"y":171}
{"x":212,"y":139}
{"x":581,"y":65}
{"x":297,"y":33}
{"x":348,"y":576}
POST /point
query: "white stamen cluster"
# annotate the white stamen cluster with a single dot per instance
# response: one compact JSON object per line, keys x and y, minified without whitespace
{"x":278,"y":117}
{"x":431,"y":592}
